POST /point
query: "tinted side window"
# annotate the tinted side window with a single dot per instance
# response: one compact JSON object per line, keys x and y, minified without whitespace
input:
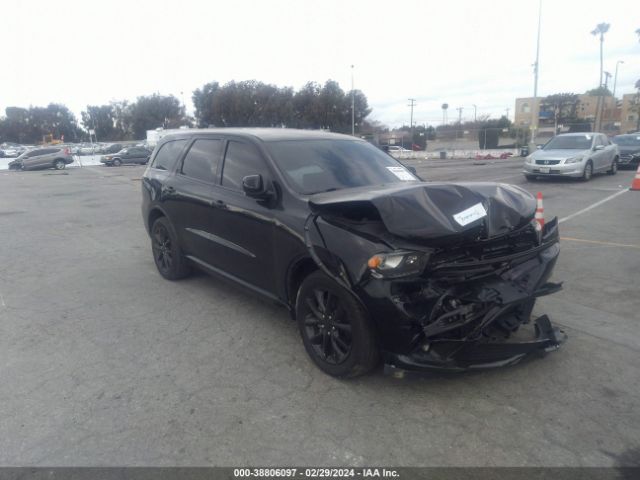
{"x":168,"y":154}
{"x":202,"y":160}
{"x":241,"y":160}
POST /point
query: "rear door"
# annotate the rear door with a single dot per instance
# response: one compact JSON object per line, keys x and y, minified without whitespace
{"x":192,"y":201}
{"x":600,"y":154}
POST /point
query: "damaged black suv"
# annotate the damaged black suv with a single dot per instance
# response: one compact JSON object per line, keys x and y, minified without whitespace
{"x":371,"y":261}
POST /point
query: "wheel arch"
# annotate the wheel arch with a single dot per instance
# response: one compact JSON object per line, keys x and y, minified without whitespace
{"x":297,"y":272}
{"x":154,"y":214}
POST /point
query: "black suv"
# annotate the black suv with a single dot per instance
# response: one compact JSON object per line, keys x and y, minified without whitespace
{"x":370,"y":260}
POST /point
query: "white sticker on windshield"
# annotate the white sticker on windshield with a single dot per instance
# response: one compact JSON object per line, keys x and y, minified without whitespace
{"x":471,"y":214}
{"x":401,"y":173}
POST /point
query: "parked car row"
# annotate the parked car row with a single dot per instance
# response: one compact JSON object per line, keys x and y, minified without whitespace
{"x":580,"y":155}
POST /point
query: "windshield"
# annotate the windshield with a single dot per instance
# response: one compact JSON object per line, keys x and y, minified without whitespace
{"x":569,"y":142}
{"x":312,"y":166}
{"x":627,"y":140}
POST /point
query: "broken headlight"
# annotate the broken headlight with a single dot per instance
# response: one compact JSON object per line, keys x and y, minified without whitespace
{"x":397,"y":264}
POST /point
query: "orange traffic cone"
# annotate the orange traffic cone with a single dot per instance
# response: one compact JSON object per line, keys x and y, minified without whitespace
{"x":539,"y":211}
{"x":635,"y":185}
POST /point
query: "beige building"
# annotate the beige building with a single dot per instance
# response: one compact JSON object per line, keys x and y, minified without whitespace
{"x":617,"y":116}
{"x":629,"y":112}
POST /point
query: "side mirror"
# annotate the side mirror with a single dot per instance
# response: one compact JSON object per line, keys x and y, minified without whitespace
{"x":538,"y":147}
{"x":598,"y":147}
{"x":253,"y":186}
{"x":412,"y":170}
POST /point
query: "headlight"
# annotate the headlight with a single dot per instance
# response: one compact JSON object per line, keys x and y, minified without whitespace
{"x":573,"y":160}
{"x":397,"y":264}
{"x":528,"y":159}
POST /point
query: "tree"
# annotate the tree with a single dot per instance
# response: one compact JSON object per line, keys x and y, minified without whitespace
{"x":30,"y":125}
{"x":600,"y":91}
{"x":564,"y":105}
{"x":107,"y":120}
{"x":154,"y":111}
{"x":600,"y":30}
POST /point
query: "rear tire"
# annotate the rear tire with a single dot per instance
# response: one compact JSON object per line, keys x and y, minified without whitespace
{"x":59,"y":164}
{"x":335,"y":328}
{"x":167,"y":253}
{"x":614,"y":167}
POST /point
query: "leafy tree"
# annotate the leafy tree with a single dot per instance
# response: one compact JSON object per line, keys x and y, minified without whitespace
{"x":252,"y":103}
{"x":600,"y":91}
{"x":153,"y":111}
{"x":107,"y":121}
{"x":564,"y":106}
{"x":30,"y":125}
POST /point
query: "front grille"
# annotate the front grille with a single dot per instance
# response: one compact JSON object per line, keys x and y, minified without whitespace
{"x":520,"y":241}
{"x":551,"y":171}
{"x":547,"y":162}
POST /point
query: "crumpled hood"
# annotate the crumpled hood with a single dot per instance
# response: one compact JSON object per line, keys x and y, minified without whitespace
{"x":421,"y":210}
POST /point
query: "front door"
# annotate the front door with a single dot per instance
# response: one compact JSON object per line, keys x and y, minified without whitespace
{"x":243,"y":226}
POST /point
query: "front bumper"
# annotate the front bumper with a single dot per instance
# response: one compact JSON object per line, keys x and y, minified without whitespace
{"x":560,"y":170}
{"x":488,"y":319}
{"x":478,"y":355}
{"x":629,"y":159}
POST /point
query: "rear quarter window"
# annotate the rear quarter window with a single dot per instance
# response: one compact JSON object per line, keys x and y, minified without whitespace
{"x":168,"y":155}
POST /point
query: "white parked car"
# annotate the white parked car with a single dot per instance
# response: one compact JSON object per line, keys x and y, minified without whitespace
{"x":578,"y":155}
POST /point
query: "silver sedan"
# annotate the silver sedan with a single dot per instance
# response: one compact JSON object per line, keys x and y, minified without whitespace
{"x":578,"y":155}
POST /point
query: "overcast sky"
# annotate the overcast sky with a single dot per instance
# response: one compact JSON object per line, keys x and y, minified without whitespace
{"x":462,"y":52}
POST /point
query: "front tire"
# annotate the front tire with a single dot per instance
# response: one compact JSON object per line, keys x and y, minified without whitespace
{"x":614,"y":167}
{"x":117,"y":162}
{"x":167,"y":253}
{"x":335,"y":328}
{"x":588,"y":172}
{"x":59,"y":164}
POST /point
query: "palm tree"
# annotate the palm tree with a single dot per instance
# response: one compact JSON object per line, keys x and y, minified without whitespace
{"x":601,"y":29}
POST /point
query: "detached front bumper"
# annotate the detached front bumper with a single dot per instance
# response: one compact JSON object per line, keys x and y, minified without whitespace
{"x":479,"y":355}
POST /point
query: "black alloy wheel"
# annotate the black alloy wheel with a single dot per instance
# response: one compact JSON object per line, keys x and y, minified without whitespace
{"x":335,"y":328}
{"x":327,"y":327}
{"x":166,"y":251}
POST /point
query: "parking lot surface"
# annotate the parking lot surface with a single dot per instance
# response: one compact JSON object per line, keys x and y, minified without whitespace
{"x":102,"y":362}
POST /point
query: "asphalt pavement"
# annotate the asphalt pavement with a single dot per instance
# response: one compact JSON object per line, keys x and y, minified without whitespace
{"x":102,"y":362}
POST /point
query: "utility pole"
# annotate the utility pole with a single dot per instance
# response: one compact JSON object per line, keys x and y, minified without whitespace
{"x":607,"y":76}
{"x":353,"y":107}
{"x":412,"y":104}
{"x":615,"y":78}
{"x":536,"y":67}
{"x":460,"y":118}
{"x":475,"y":111}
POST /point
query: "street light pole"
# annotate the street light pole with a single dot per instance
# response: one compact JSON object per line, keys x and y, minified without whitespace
{"x":475,"y":111}
{"x":353,"y":107}
{"x":412,"y":104}
{"x":615,"y":78}
{"x":536,"y":67}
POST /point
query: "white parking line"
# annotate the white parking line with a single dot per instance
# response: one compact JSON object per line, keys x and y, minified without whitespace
{"x":594,"y":205}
